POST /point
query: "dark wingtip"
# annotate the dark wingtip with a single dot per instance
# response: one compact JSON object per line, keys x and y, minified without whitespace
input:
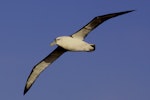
{"x":112,"y":15}
{"x":25,"y":90}
{"x":129,"y":11}
{"x":124,"y":12}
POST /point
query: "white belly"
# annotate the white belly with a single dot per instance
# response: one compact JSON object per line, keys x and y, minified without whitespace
{"x":72,"y":44}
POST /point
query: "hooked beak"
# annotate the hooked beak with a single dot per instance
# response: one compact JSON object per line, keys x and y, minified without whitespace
{"x":53,"y":43}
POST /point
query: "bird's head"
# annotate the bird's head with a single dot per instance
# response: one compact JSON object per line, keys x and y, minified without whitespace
{"x":56,"y":41}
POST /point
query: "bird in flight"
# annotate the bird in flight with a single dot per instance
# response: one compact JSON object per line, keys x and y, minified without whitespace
{"x":74,"y":42}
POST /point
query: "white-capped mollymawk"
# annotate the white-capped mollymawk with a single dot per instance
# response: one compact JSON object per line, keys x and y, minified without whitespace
{"x":75,"y":42}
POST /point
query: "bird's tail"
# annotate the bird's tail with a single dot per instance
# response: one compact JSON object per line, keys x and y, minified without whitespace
{"x":94,"y":47}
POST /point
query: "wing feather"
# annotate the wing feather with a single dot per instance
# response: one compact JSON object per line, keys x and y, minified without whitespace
{"x":41,"y":67}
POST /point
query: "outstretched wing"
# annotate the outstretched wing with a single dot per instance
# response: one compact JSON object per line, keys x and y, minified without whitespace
{"x":41,"y":66}
{"x":83,"y":32}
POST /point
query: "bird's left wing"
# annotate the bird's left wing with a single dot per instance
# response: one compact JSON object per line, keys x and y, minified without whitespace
{"x":83,"y":32}
{"x":41,"y":66}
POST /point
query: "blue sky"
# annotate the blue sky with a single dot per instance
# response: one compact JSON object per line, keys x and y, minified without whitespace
{"x":119,"y":69}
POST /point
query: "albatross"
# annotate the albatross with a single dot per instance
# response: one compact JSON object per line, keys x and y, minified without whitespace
{"x":74,"y":42}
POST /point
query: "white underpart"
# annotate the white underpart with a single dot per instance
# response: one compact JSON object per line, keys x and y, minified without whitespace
{"x":73,"y":44}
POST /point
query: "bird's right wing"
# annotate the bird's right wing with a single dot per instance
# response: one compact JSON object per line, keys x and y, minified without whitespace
{"x":83,"y":32}
{"x":41,"y":66}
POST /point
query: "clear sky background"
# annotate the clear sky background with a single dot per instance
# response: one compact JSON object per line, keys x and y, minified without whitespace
{"x":119,"y":68}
